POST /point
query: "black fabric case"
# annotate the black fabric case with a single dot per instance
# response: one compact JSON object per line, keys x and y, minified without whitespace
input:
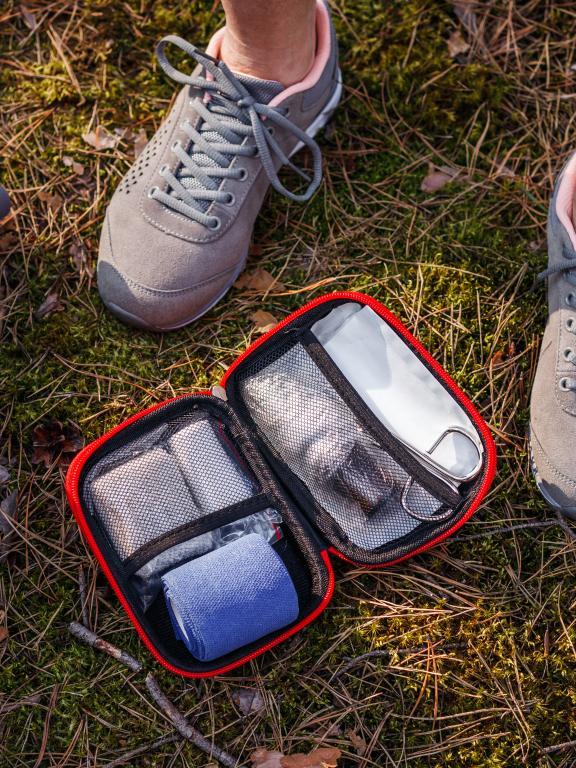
{"x":312,"y":533}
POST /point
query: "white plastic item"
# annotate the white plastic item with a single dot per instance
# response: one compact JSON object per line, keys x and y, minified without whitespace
{"x":401,"y":391}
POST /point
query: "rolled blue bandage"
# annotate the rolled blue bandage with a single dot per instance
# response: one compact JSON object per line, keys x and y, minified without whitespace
{"x":230,"y":597}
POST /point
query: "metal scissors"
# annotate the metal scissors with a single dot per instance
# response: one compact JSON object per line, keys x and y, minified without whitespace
{"x":452,"y":478}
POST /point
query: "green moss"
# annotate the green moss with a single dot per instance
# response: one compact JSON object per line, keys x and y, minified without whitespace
{"x":456,"y":267}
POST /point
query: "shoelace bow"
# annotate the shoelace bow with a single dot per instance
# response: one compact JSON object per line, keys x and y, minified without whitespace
{"x":566,"y":267}
{"x":233,"y":114}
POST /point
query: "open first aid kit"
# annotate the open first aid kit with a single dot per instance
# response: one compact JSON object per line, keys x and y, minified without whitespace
{"x":215,"y":515}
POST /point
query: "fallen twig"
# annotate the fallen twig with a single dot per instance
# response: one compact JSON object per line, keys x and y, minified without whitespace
{"x":30,"y":701}
{"x":559,"y":747}
{"x":183,"y":726}
{"x":387,"y":652}
{"x":173,"y":714}
{"x":144,"y":749}
{"x":82,"y":633}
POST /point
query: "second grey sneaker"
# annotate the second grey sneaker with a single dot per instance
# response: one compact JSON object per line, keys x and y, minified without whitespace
{"x":553,"y":403}
{"x":178,"y":228}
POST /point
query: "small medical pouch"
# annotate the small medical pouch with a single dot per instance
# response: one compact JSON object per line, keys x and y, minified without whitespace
{"x":334,"y":435}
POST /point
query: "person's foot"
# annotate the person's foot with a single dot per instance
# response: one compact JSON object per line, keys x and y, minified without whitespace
{"x":177,"y":230}
{"x":553,"y":403}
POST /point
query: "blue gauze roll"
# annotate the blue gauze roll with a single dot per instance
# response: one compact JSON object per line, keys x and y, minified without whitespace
{"x":230,"y":597}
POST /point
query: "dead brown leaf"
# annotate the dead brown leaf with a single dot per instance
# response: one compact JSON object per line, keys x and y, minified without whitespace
{"x":497,"y":358}
{"x":80,"y":258}
{"x":263,"y":321}
{"x":77,"y":167}
{"x":140,"y":142}
{"x":456,"y":44}
{"x":3,"y":634}
{"x":436,"y":179}
{"x":261,"y":758}
{"x":50,"y":304}
{"x":358,"y":743}
{"x":29,"y":18}
{"x":101,"y":138}
{"x":258,"y":281}
{"x":8,"y":507}
{"x":53,"y":199}
{"x":465,"y":11}
{"x":55,"y":443}
{"x":8,"y":240}
{"x":326,"y":757}
{"x":255,"y":250}
{"x":248,"y":700}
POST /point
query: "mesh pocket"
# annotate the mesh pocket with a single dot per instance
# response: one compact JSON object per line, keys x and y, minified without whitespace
{"x":165,"y":478}
{"x":309,"y":427}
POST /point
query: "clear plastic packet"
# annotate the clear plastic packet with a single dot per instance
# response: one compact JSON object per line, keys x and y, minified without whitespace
{"x":147,"y":579}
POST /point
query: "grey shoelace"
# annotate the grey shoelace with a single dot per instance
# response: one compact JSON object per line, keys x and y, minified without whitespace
{"x":567,"y":268}
{"x":231,"y":116}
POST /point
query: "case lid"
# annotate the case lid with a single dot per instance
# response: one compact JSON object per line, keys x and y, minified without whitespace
{"x":375,"y":497}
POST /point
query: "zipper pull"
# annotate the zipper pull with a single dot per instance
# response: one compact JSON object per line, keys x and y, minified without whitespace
{"x":219,"y":392}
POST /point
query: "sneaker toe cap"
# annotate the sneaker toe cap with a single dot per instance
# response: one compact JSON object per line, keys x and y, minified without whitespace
{"x":556,"y":482}
{"x":150,"y":299}
{"x":153,"y":309}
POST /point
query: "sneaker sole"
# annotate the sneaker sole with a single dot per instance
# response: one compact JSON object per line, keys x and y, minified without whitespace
{"x":568,"y":511}
{"x":314,"y":127}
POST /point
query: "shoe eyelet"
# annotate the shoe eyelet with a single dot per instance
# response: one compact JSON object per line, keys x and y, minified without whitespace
{"x":566,"y":354}
{"x":215,"y":224}
{"x":287,"y":112}
{"x":151,"y":192}
{"x":271,"y":130}
{"x":243,"y":174}
{"x":231,"y":199}
{"x":563,"y":384}
{"x":176,"y":145}
{"x":163,"y":169}
{"x":570,"y":299}
{"x":570,"y":324}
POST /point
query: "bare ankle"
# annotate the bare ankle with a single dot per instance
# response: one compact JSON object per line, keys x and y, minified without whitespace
{"x":288,"y":63}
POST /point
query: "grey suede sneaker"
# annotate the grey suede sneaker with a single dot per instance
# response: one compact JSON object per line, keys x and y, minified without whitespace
{"x":177,"y":230}
{"x":553,"y":404}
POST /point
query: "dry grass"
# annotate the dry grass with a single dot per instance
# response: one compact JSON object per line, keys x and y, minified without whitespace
{"x":476,"y":640}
